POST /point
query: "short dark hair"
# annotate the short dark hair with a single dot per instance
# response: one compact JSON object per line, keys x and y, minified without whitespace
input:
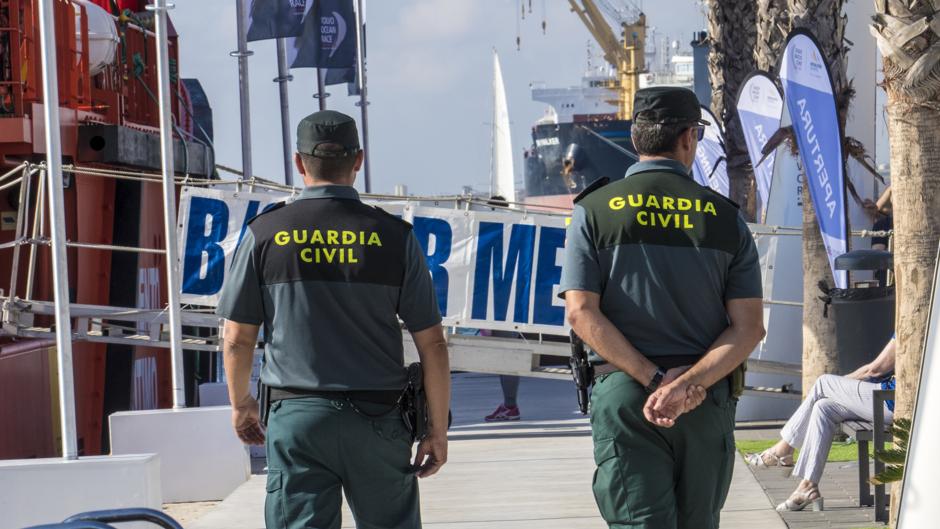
{"x":329,"y":168}
{"x":651,"y":138}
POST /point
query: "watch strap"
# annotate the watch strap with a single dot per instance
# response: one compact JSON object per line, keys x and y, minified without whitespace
{"x":657,"y":380}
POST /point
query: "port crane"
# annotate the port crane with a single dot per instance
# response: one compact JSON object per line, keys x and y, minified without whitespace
{"x":625,"y":53}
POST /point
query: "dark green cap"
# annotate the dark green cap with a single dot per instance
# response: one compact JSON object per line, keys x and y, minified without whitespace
{"x":327,"y":126}
{"x":667,"y":104}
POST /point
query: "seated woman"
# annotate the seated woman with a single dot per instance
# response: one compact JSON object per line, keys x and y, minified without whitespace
{"x":832,"y":400}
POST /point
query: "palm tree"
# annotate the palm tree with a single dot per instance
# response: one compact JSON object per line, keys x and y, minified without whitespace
{"x":912,"y":82}
{"x":732,"y":34}
{"x":820,"y":353}
{"x":773,"y":25}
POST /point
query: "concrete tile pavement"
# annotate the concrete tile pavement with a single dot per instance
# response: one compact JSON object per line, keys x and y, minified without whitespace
{"x":839,"y":487}
{"x":535,"y":473}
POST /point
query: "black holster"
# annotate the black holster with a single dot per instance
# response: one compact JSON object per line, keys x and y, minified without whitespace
{"x":413,"y":404}
{"x":581,"y":371}
{"x":264,"y":403}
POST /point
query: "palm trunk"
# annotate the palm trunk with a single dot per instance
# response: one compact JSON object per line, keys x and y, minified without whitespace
{"x":820,"y":353}
{"x":914,"y":132}
{"x":820,"y":348}
{"x":773,"y":24}
{"x":732,"y":34}
{"x":912,"y":82}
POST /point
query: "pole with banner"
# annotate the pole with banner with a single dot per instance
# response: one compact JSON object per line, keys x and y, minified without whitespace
{"x":169,"y":202}
{"x":811,"y":103}
{"x":278,"y":20}
{"x":60,"y":270}
{"x":327,"y":40}
{"x":760,"y":109}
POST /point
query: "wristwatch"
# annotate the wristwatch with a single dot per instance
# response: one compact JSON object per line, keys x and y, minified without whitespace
{"x":657,"y":380}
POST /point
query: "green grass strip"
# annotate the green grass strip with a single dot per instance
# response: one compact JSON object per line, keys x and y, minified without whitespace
{"x":840,"y":451}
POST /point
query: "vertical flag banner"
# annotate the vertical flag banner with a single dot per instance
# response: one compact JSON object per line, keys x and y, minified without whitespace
{"x":335,"y":76}
{"x":710,"y":167}
{"x":275,"y":19}
{"x":760,"y":109}
{"x":812,"y":106}
{"x":328,"y":39}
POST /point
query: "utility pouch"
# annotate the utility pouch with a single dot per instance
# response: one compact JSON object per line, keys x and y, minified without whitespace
{"x":413,"y":404}
{"x":737,"y":380}
{"x":264,"y":403}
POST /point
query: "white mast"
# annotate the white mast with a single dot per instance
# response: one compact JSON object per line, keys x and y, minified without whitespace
{"x":502,"y":179}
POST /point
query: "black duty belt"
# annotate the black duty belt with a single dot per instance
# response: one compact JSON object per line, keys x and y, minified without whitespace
{"x":387,"y":397}
{"x":665,"y":362}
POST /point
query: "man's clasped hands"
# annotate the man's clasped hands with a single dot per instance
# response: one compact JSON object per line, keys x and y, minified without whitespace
{"x":673,"y":398}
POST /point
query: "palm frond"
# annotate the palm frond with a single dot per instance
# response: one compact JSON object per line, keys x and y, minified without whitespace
{"x":892,"y":456}
{"x":890,"y":475}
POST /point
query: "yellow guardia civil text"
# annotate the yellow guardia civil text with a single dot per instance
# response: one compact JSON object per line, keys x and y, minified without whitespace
{"x":663,"y":211}
{"x":328,"y":246}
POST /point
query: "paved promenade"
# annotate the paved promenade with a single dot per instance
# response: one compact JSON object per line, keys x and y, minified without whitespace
{"x":535,"y":473}
{"x":839,"y":486}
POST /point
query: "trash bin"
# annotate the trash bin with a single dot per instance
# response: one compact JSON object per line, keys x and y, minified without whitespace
{"x":864,"y":316}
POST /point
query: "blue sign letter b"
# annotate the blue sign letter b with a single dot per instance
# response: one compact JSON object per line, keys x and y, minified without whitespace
{"x":424,"y":228}
{"x":198,"y":242}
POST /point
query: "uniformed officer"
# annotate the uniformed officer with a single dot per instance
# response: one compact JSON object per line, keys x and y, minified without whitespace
{"x":661,"y":278}
{"x":329,"y":277}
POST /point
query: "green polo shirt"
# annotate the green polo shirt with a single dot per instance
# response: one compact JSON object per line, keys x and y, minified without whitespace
{"x":329,"y":277}
{"x":665,"y":254}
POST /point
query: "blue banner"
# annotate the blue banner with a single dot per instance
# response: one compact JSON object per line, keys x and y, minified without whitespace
{"x":328,"y":39}
{"x":275,"y":19}
{"x":812,"y":106}
{"x":710,"y":167}
{"x":760,"y":109}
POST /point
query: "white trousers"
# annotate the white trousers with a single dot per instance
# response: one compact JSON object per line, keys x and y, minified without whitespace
{"x":832,"y":400}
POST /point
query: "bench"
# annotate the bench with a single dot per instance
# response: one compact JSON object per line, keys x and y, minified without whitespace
{"x":878,"y":433}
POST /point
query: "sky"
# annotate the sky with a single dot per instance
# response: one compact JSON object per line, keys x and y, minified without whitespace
{"x":430,"y":82}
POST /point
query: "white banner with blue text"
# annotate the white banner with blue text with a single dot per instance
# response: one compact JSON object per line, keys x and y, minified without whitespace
{"x":495,"y":270}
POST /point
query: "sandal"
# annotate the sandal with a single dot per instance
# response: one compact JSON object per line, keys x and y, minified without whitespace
{"x":761,"y":459}
{"x":799,"y":501}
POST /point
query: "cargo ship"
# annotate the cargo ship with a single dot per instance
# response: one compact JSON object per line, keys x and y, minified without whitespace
{"x":585,"y":133}
{"x":109,"y":113}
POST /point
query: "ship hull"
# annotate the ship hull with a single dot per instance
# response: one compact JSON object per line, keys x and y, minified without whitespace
{"x":594,"y":149}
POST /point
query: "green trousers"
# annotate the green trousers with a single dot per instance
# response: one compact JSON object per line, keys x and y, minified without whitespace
{"x":660,"y":478}
{"x":318,"y":448}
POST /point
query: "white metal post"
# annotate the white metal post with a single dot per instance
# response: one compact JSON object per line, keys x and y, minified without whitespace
{"x":160,"y":8}
{"x":60,"y":269}
{"x":242,"y":53}
{"x":284,"y":77}
{"x":363,"y":93}
{"x":321,"y":94}
{"x":39,"y":220}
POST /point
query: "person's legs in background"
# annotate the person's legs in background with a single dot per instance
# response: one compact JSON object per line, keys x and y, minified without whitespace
{"x":832,"y":400}
{"x":510,"y":386}
{"x":509,"y":409}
